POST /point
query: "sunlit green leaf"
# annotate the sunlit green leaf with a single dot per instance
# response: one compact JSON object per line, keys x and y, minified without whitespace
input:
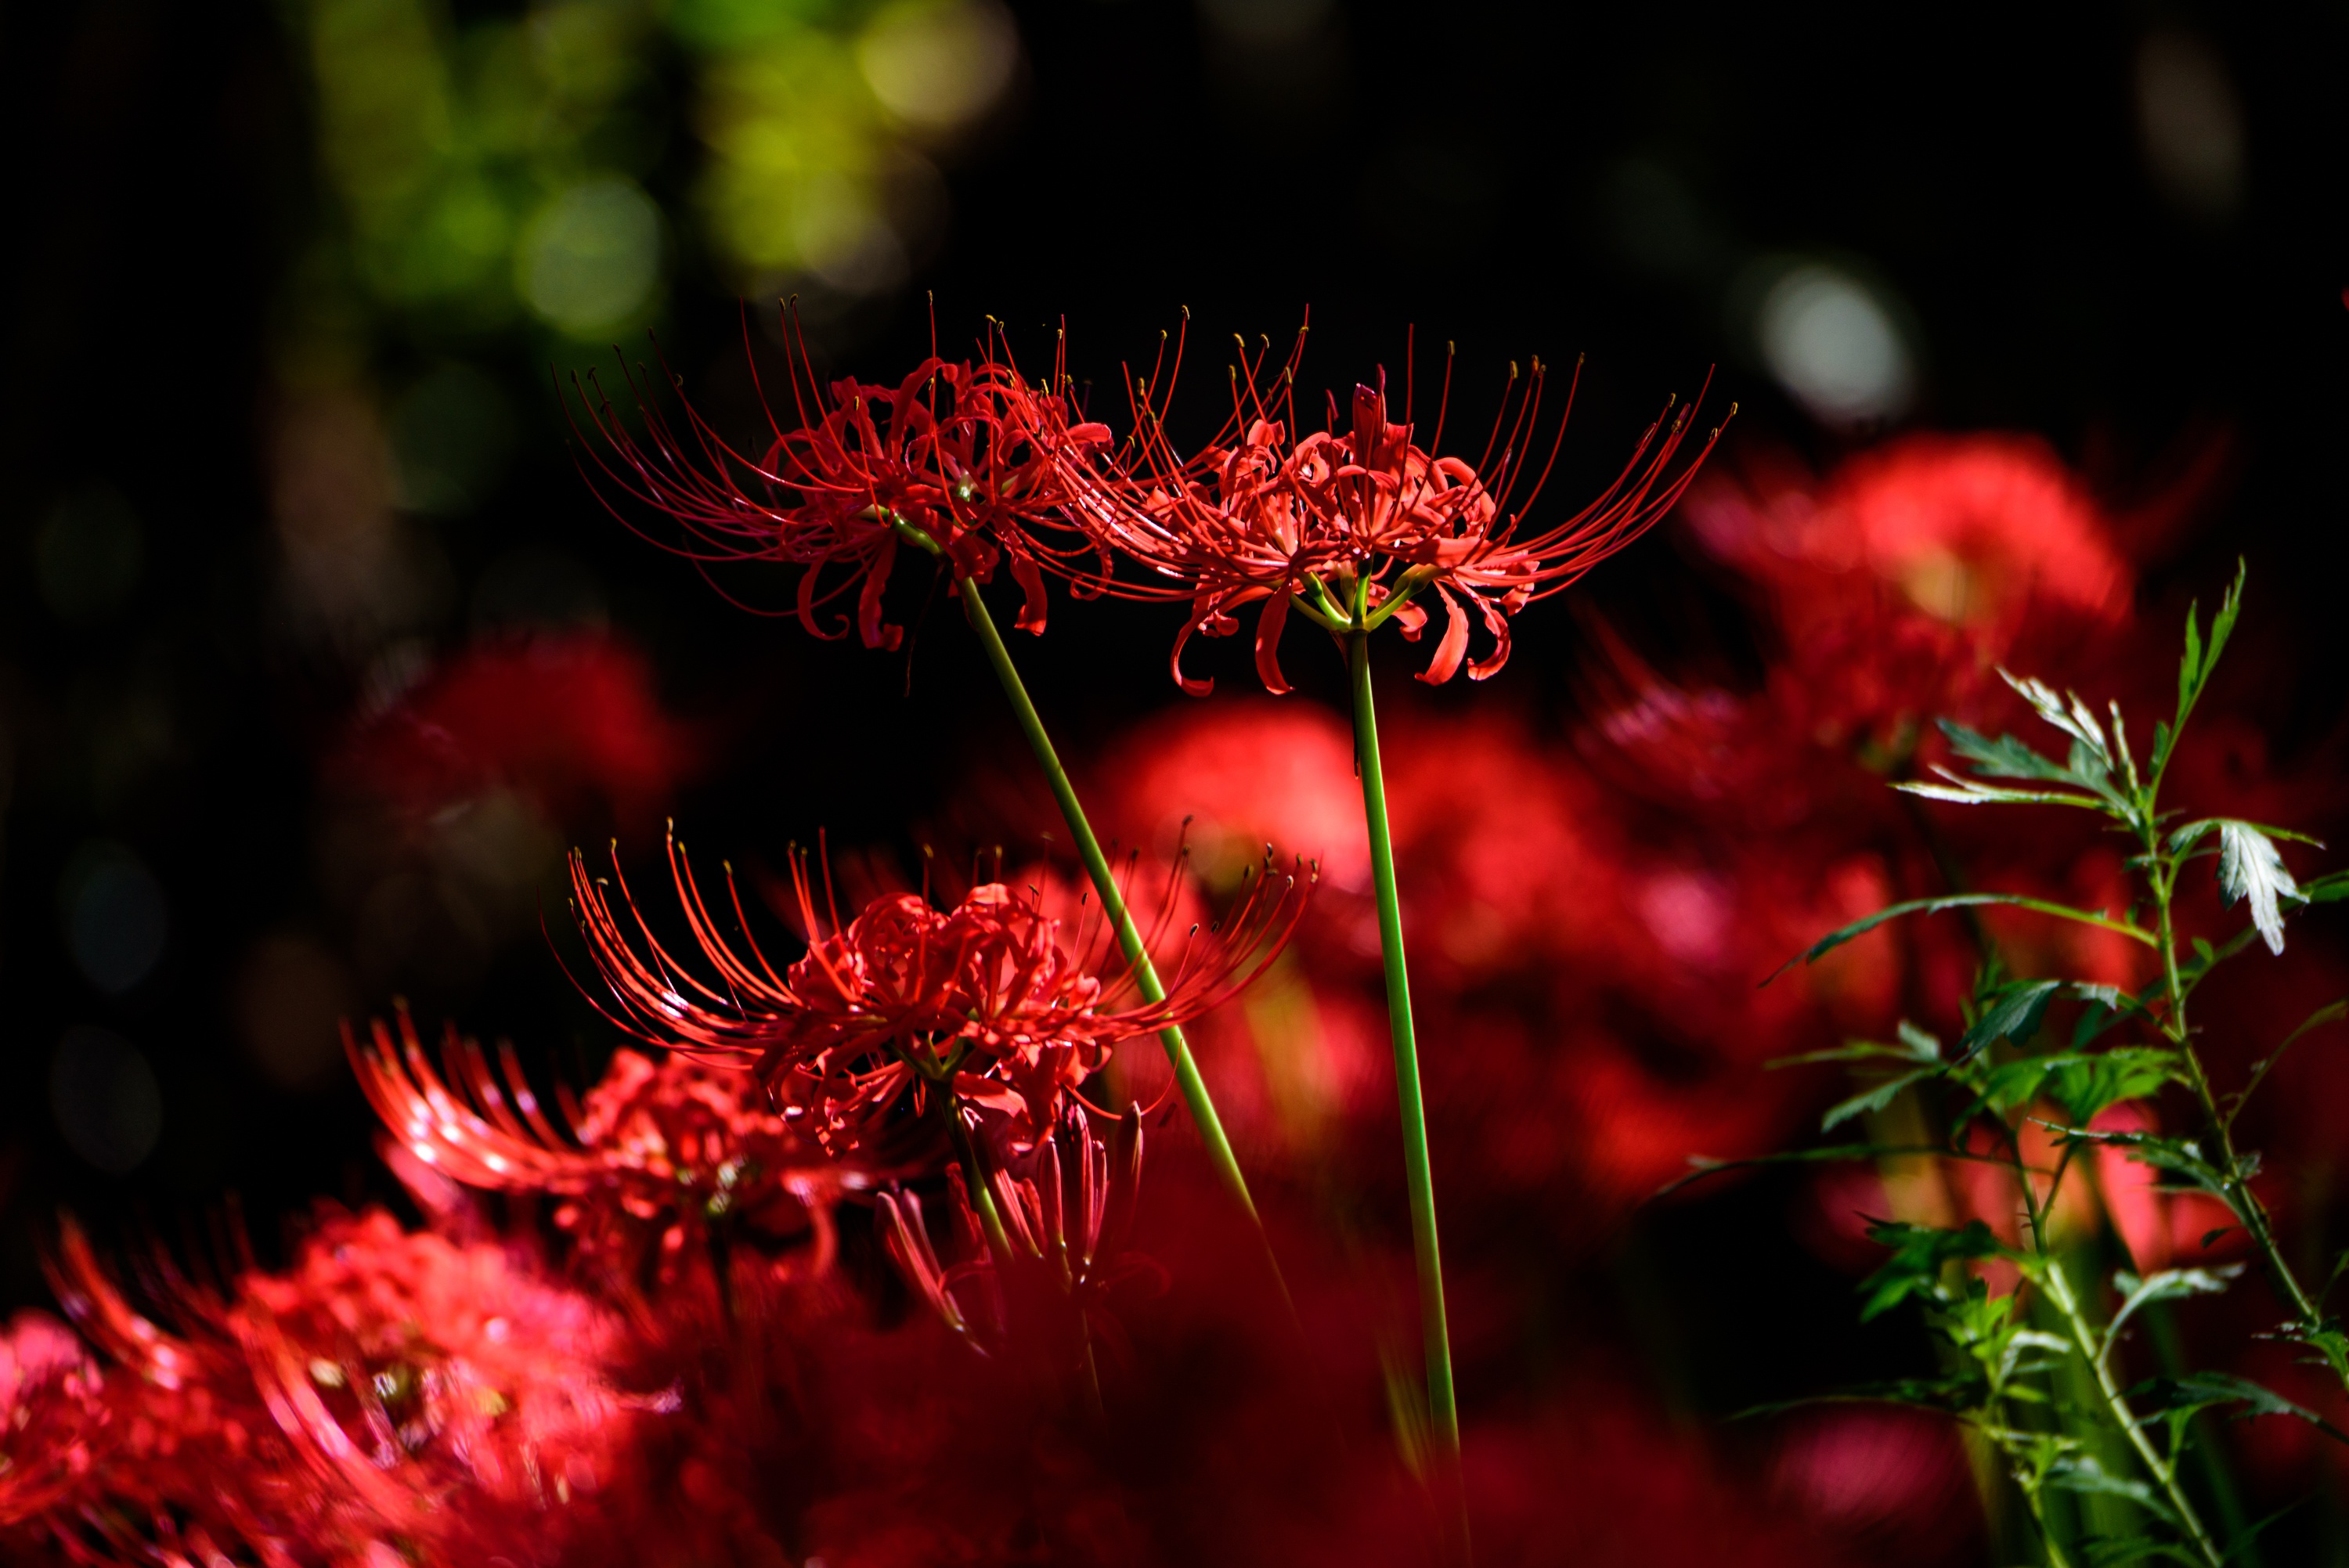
{"x":2005,"y":757}
{"x":2169,"y":1285}
{"x":1914,"y":1046}
{"x":1835,"y":939}
{"x":1966,"y":792}
{"x":1876,"y":1097}
{"x":2014,"y":1014}
{"x":2178,"y":1156}
{"x":2251,"y":868}
{"x":2086,"y":1085}
{"x":2084,"y":1475}
{"x":2191,"y":1391}
{"x":1919,"y":1252}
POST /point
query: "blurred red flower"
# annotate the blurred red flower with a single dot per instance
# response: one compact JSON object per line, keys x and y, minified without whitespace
{"x":659,"y":1156}
{"x":570,"y":723}
{"x":328,"y":1414}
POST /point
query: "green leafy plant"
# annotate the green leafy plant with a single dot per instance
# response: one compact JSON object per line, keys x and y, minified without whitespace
{"x":2107,"y":1471}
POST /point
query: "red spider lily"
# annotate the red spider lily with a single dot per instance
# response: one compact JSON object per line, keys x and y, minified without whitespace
{"x":965,"y":455}
{"x":53,"y":1426}
{"x":1349,"y":527}
{"x":1067,"y":1219}
{"x":657,"y":1156}
{"x":981,"y":1003}
{"x":328,"y":1413}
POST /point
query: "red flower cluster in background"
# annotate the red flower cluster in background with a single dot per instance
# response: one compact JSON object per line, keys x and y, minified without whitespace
{"x":735,"y":1306}
{"x":570,"y":722}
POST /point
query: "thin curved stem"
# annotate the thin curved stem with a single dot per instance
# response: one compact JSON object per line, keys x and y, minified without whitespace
{"x":982,"y":1190}
{"x":1444,"y":1408}
{"x":1129,"y":937}
{"x":2162,"y":875}
{"x":2165,"y":1474}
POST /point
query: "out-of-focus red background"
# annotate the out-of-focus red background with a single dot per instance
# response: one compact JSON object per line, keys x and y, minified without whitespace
{"x":318,"y":652}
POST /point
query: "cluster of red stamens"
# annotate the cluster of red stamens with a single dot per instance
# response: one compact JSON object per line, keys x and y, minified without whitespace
{"x":1351,"y":525}
{"x":993,"y":1002}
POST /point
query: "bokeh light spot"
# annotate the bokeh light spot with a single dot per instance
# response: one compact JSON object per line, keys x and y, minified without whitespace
{"x":87,"y":553}
{"x":105,"y":1098}
{"x":292,"y":996}
{"x":1834,"y":345}
{"x":2191,"y":122}
{"x":591,"y":257}
{"x":939,"y":67}
{"x":115,"y":919}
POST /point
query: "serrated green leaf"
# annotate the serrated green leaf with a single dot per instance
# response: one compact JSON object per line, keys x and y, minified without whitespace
{"x":2196,"y":832}
{"x":2084,"y":1475}
{"x":2169,"y":1285}
{"x":1918,"y":1251}
{"x":2178,"y":1156}
{"x":2005,"y":757}
{"x":1835,"y":939}
{"x":2085,"y":1085}
{"x":1915,"y":1046}
{"x":2251,"y":868}
{"x":2223,"y":625}
{"x":1966,"y":792}
{"x":1875,"y":1097}
{"x":2190,"y":1391}
{"x":2015,"y":1012}
{"x":2070,"y":715}
{"x":1943,"y":1396}
{"x":2189,"y":668}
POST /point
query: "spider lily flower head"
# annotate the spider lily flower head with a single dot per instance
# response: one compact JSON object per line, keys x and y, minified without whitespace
{"x":995,"y":1001}
{"x":962,"y":459}
{"x":53,"y":1426}
{"x":1353,"y":524}
{"x":657,"y":1157}
{"x":330,"y":1412}
{"x":1067,"y":1213}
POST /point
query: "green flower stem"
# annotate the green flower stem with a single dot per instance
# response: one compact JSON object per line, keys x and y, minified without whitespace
{"x":1129,"y":939}
{"x":1442,"y":1407}
{"x":2161,"y":874}
{"x":982,"y":1190}
{"x":2059,"y":1295}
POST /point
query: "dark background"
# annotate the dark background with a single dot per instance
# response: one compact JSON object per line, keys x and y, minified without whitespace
{"x":1527,"y":181}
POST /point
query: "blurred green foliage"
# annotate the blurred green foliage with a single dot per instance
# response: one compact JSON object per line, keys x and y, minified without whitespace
{"x":507,"y":171}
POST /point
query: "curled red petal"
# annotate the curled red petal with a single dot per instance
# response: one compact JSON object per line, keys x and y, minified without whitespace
{"x":1497,"y":623}
{"x":1453,"y":648}
{"x":1031,"y":585}
{"x":1267,"y":644}
{"x":876,"y":633}
{"x":807,"y":608}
